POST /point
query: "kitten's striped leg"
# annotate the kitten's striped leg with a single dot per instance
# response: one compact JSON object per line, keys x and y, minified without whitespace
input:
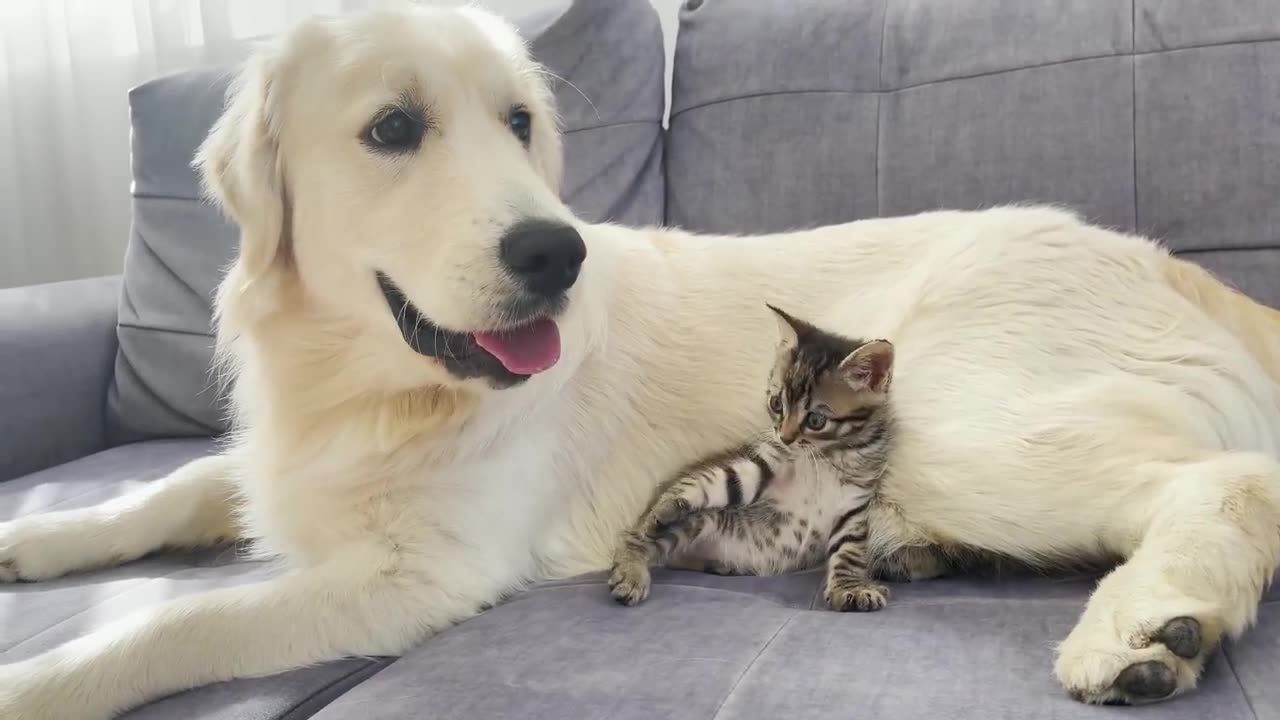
{"x":640,"y":548}
{"x":734,"y":479}
{"x":849,"y":585}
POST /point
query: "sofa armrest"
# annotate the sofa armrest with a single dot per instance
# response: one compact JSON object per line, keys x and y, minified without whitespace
{"x":57,"y":351}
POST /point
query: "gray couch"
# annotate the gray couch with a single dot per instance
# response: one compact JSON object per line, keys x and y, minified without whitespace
{"x":1155,"y":115}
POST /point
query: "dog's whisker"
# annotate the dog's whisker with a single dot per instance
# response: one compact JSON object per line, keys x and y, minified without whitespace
{"x":548,"y":73}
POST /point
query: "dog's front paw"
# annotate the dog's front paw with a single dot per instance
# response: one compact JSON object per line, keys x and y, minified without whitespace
{"x":629,"y":583}
{"x":857,"y":596}
{"x":30,"y":551}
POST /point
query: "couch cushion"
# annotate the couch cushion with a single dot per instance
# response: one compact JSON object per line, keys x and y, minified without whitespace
{"x":35,"y":617}
{"x":608,"y":62}
{"x":1154,"y":115}
{"x":705,"y":647}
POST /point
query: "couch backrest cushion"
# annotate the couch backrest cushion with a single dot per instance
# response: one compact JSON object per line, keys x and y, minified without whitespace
{"x":608,"y":51}
{"x":1152,"y":115}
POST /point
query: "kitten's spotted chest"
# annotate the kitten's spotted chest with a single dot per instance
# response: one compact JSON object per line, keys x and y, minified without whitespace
{"x":796,"y":495}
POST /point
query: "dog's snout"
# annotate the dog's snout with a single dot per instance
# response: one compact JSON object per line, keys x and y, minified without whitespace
{"x":544,"y":255}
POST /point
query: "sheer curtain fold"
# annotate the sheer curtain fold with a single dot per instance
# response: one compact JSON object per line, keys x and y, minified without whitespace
{"x":66,"y":67}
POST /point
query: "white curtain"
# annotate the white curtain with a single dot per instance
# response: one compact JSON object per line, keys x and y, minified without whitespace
{"x":65,"y":70}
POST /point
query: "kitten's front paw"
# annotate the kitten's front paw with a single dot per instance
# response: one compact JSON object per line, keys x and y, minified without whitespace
{"x":858,"y":597}
{"x":629,"y":583}
{"x":669,"y":509}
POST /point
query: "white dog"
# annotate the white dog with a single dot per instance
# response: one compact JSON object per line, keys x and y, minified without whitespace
{"x":445,"y":387}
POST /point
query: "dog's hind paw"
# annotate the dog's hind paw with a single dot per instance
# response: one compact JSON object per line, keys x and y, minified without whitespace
{"x":1106,"y":670}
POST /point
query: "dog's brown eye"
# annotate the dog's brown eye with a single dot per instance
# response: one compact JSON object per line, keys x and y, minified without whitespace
{"x":394,"y":131}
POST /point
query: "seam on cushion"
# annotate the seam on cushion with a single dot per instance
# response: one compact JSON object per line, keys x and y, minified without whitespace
{"x":153,"y":328}
{"x":1231,"y":667}
{"x":1224,"y":248}
{"x":606,"y":126}
{"x":299,"y":711}
{"x":62,"y":502}
{"x":818,"y":593}
{"x":930,"y":602}
{"x":142,"y":242}
{"x":168,"y":407}
{"x":166,"y":196}
{"x":763,"y":595}
{"x":971,"y":76}
{"x":78,"y":613}
{"x":627,"y":199}
{"x":1133,"y":47}
{"x":614,"y":162}
{"x":767,"y":93}
{"x":126,"y":299}
{"x":90,"y":491}
{"x":747,"y":669}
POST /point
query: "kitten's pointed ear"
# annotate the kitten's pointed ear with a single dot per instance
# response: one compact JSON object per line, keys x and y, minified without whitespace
{"x":786,"y":327}
{"x":870,"y":367}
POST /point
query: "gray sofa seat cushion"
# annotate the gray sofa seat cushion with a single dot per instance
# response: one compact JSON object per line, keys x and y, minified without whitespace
{"x":1147,"y":115}
{"x":606,"y":64}
{"x":705,"y":647}
{"x":38,"y":616}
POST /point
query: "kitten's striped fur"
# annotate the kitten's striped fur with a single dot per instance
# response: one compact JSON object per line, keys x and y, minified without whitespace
{"x":794,"y":496}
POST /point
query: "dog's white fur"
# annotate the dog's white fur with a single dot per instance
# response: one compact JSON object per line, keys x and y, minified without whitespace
{"x":1065,"y":392}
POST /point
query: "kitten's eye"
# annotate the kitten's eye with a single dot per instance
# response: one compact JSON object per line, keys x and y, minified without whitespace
{"x":394,"y":131}
{"x":775,"y":404}
{"x":521,"y":124}
{"x":815,"y":421}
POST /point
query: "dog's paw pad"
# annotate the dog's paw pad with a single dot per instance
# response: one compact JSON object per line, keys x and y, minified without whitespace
{"x":1145,"y":681}
{"x":1182,"y":636}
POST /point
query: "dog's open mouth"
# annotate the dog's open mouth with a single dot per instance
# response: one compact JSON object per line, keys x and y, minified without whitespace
{"x":507,"y":356}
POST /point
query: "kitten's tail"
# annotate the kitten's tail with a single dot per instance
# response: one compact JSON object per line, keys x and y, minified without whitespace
{"x":1257,"y":325}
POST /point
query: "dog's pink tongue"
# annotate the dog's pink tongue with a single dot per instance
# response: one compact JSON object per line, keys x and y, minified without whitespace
{"x":526,"y":350}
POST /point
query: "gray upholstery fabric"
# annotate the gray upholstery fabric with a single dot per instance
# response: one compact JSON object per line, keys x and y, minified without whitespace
{"x":57,"y":342}
{"x":608,"y":61}
{"x":706,"y":647}
{"x":36,"y":617}
{"x":1155,"y":115}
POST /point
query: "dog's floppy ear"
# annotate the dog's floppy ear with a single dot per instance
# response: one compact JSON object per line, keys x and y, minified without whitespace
{"x":241,"y":169}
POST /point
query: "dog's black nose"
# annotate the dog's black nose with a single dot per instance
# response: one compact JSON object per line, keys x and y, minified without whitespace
{"x":544,"y":255}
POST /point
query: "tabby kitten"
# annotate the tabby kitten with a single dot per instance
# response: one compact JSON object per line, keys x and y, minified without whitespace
{"x":796,"y":495}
